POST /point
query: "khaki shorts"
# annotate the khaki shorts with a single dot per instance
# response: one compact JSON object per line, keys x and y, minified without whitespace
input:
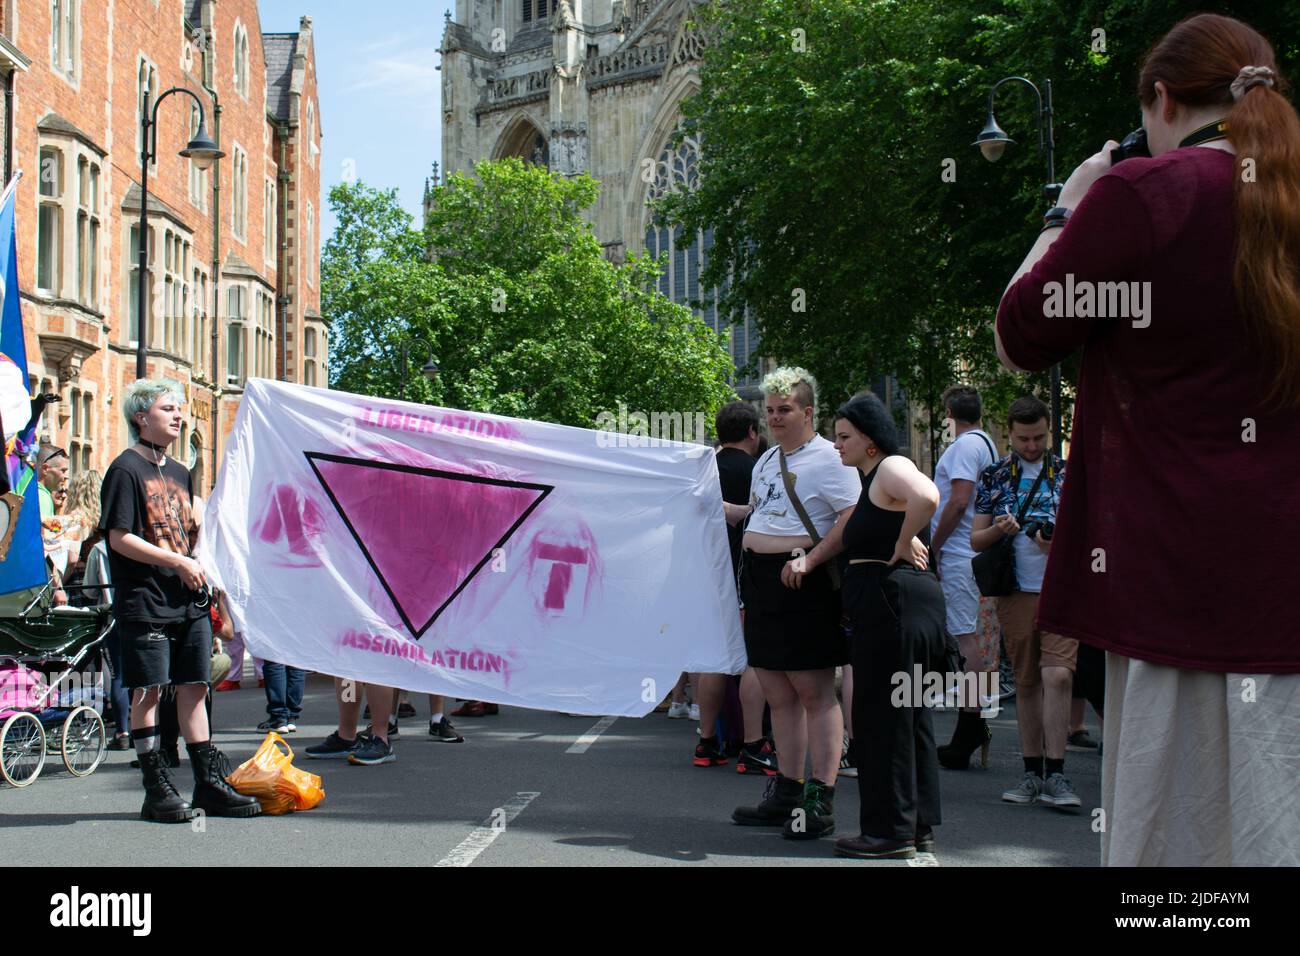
{"x":1030,"y":648}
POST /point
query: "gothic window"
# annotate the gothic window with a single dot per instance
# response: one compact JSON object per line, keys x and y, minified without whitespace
{"x":678,"y":169}
{"x":536,"y":9}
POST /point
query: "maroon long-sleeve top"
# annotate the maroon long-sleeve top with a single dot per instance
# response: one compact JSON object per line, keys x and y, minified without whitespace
{"x":1176,"y":539}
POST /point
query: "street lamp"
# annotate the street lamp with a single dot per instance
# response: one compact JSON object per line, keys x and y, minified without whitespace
{"x":203,"y":151}
{"x":430,"y":370}
{"x":993,"y":142}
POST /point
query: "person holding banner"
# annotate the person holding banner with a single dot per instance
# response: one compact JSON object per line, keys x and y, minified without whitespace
{"x":801,"y":495}
{"x":160,"y":603}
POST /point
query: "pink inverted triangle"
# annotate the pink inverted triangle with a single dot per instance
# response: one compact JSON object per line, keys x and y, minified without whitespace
{"x":425,"y":532}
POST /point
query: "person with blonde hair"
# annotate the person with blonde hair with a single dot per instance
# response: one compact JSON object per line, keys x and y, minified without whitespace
{"x":800,"y":496}
{"x":1172,"y":543}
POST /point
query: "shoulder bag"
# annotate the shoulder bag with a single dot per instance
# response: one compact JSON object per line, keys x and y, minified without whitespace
{"x":995,"y":567}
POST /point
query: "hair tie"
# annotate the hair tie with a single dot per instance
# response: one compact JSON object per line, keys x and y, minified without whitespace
{"x":1249,"y":77}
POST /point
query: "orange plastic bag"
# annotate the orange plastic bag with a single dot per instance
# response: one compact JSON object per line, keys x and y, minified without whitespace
{"x":271,"y":776}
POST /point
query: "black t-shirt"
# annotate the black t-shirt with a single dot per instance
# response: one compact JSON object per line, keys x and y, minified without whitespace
{"x":152,"y":503}
{"x":735,"y":469}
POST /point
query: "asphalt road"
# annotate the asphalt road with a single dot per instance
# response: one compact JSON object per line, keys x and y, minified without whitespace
{"x":519,"y":792}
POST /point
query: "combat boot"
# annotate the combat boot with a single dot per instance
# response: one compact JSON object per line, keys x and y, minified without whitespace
{"x":162,"y":802}
{"x":212,"y":794}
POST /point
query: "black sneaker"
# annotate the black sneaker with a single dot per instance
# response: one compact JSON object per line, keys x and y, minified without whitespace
{"x":393,"y":730}
{"x":275,"y":725}
{"x":375,"y":750}
{"x":760,"y":760}
{"x":1081,"y":741}
{"x":333,"y":747}
{"x":707,"y":754}
{"x":444,"y":732}
{"x":848,"y":762}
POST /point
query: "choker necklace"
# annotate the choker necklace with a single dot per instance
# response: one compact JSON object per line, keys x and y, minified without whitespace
{"x":160,"y":449}
{"x":1206,"y":134}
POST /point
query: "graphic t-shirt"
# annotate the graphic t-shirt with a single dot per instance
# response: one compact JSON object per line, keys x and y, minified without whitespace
{"x":824,"y":484}
{"x":735,"y":471}
{"x":152,"y":503}
{"x":964,"y":459}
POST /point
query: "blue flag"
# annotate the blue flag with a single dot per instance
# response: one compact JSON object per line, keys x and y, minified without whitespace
{"x":24,"y":565}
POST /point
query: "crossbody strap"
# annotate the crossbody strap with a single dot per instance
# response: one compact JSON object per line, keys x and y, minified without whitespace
{"x":1033,"y":489}
{"x":831,"y":567}
{"x":984,"y":438}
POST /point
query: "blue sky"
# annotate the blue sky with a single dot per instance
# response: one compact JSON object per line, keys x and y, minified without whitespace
{"x":379,"y":89}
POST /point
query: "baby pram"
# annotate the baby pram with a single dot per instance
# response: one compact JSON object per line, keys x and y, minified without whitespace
{"x":45,"y":701}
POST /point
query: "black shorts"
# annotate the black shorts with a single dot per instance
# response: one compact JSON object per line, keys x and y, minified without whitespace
{"x":790,"y":629}
{"x":179,"y":652}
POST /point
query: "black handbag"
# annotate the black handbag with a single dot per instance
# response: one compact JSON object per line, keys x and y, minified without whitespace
{"x":995,"y":567}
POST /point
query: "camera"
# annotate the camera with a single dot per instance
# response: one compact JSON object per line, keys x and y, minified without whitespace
{"x":1031,"y":528}
{"x":1131,"y":146}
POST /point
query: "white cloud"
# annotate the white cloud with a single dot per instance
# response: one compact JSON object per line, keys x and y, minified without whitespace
{"x":410,"y":72}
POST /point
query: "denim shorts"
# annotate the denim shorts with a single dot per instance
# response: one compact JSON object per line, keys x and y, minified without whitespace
{"x":178,"y":652}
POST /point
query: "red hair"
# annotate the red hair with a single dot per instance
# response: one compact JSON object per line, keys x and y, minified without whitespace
{"x":1197,"y":61}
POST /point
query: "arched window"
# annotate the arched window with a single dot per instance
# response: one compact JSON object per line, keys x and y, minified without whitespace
{"x":240,"y":59}
{"x":536,"y":9}
{"x":678,"y":170}
{"x":312,"y":148}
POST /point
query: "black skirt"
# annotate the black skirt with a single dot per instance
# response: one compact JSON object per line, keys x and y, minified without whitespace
{"x":790,"y":629}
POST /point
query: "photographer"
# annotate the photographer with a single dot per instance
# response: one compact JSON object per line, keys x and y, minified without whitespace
{"x":1177,"y":522}
{"x":160,"y":603}
{"x":1027,"y":483}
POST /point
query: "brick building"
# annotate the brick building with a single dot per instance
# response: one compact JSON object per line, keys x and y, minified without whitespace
{"x":233,"y":250}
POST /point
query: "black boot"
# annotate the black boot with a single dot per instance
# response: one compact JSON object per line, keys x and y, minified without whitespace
{"x":162,"y":802}
{"x":972,"y":733}
{"x":212,"y":794}
{"x":817,"y":818}
{"x":781,"y":796}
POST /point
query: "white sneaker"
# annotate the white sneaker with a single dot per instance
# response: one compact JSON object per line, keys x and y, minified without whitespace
{"x":695,"y":712}
{"x":678,"y":711}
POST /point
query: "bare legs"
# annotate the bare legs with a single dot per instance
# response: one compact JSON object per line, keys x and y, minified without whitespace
{"x":805,"y":717}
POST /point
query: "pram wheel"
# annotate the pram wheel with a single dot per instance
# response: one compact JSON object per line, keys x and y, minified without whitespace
{"x":22,"y":749}
{"x":83,"y":744}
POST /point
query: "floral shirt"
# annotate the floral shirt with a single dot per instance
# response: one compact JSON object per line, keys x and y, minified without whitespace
{"x":1002,"y":488}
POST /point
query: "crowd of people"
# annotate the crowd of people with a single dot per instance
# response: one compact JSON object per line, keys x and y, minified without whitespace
{"x":1098,"y":576}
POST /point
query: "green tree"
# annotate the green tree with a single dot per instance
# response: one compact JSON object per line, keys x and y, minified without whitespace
{"x":510,"y":290}
{"x":826,"y":128}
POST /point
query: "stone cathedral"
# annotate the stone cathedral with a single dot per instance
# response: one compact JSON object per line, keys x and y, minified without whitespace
{"x":589,"y":86}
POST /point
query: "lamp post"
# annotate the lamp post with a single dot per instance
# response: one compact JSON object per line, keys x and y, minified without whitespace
{"x":203,"y":151}
{"x":430,"y":370}
{"x":992,"y":143}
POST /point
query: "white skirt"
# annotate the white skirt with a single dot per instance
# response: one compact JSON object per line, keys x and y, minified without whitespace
{"x":1198,"y":768}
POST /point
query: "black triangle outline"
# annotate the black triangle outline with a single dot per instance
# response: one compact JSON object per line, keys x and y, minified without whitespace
{"x":314,"y":456}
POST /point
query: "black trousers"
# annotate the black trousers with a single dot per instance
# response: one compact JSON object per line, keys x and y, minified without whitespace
{"x":898,"y":623}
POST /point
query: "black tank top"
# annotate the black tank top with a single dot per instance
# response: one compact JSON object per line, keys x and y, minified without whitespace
{"x":872,"y":531}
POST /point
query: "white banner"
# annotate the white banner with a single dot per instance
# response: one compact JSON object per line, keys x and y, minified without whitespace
{"x":471,"y":555}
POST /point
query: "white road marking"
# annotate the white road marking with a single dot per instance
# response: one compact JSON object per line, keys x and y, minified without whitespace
{"x":924,"y":859}
{"x":586,"y":740}
{"x":486,"y":832}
